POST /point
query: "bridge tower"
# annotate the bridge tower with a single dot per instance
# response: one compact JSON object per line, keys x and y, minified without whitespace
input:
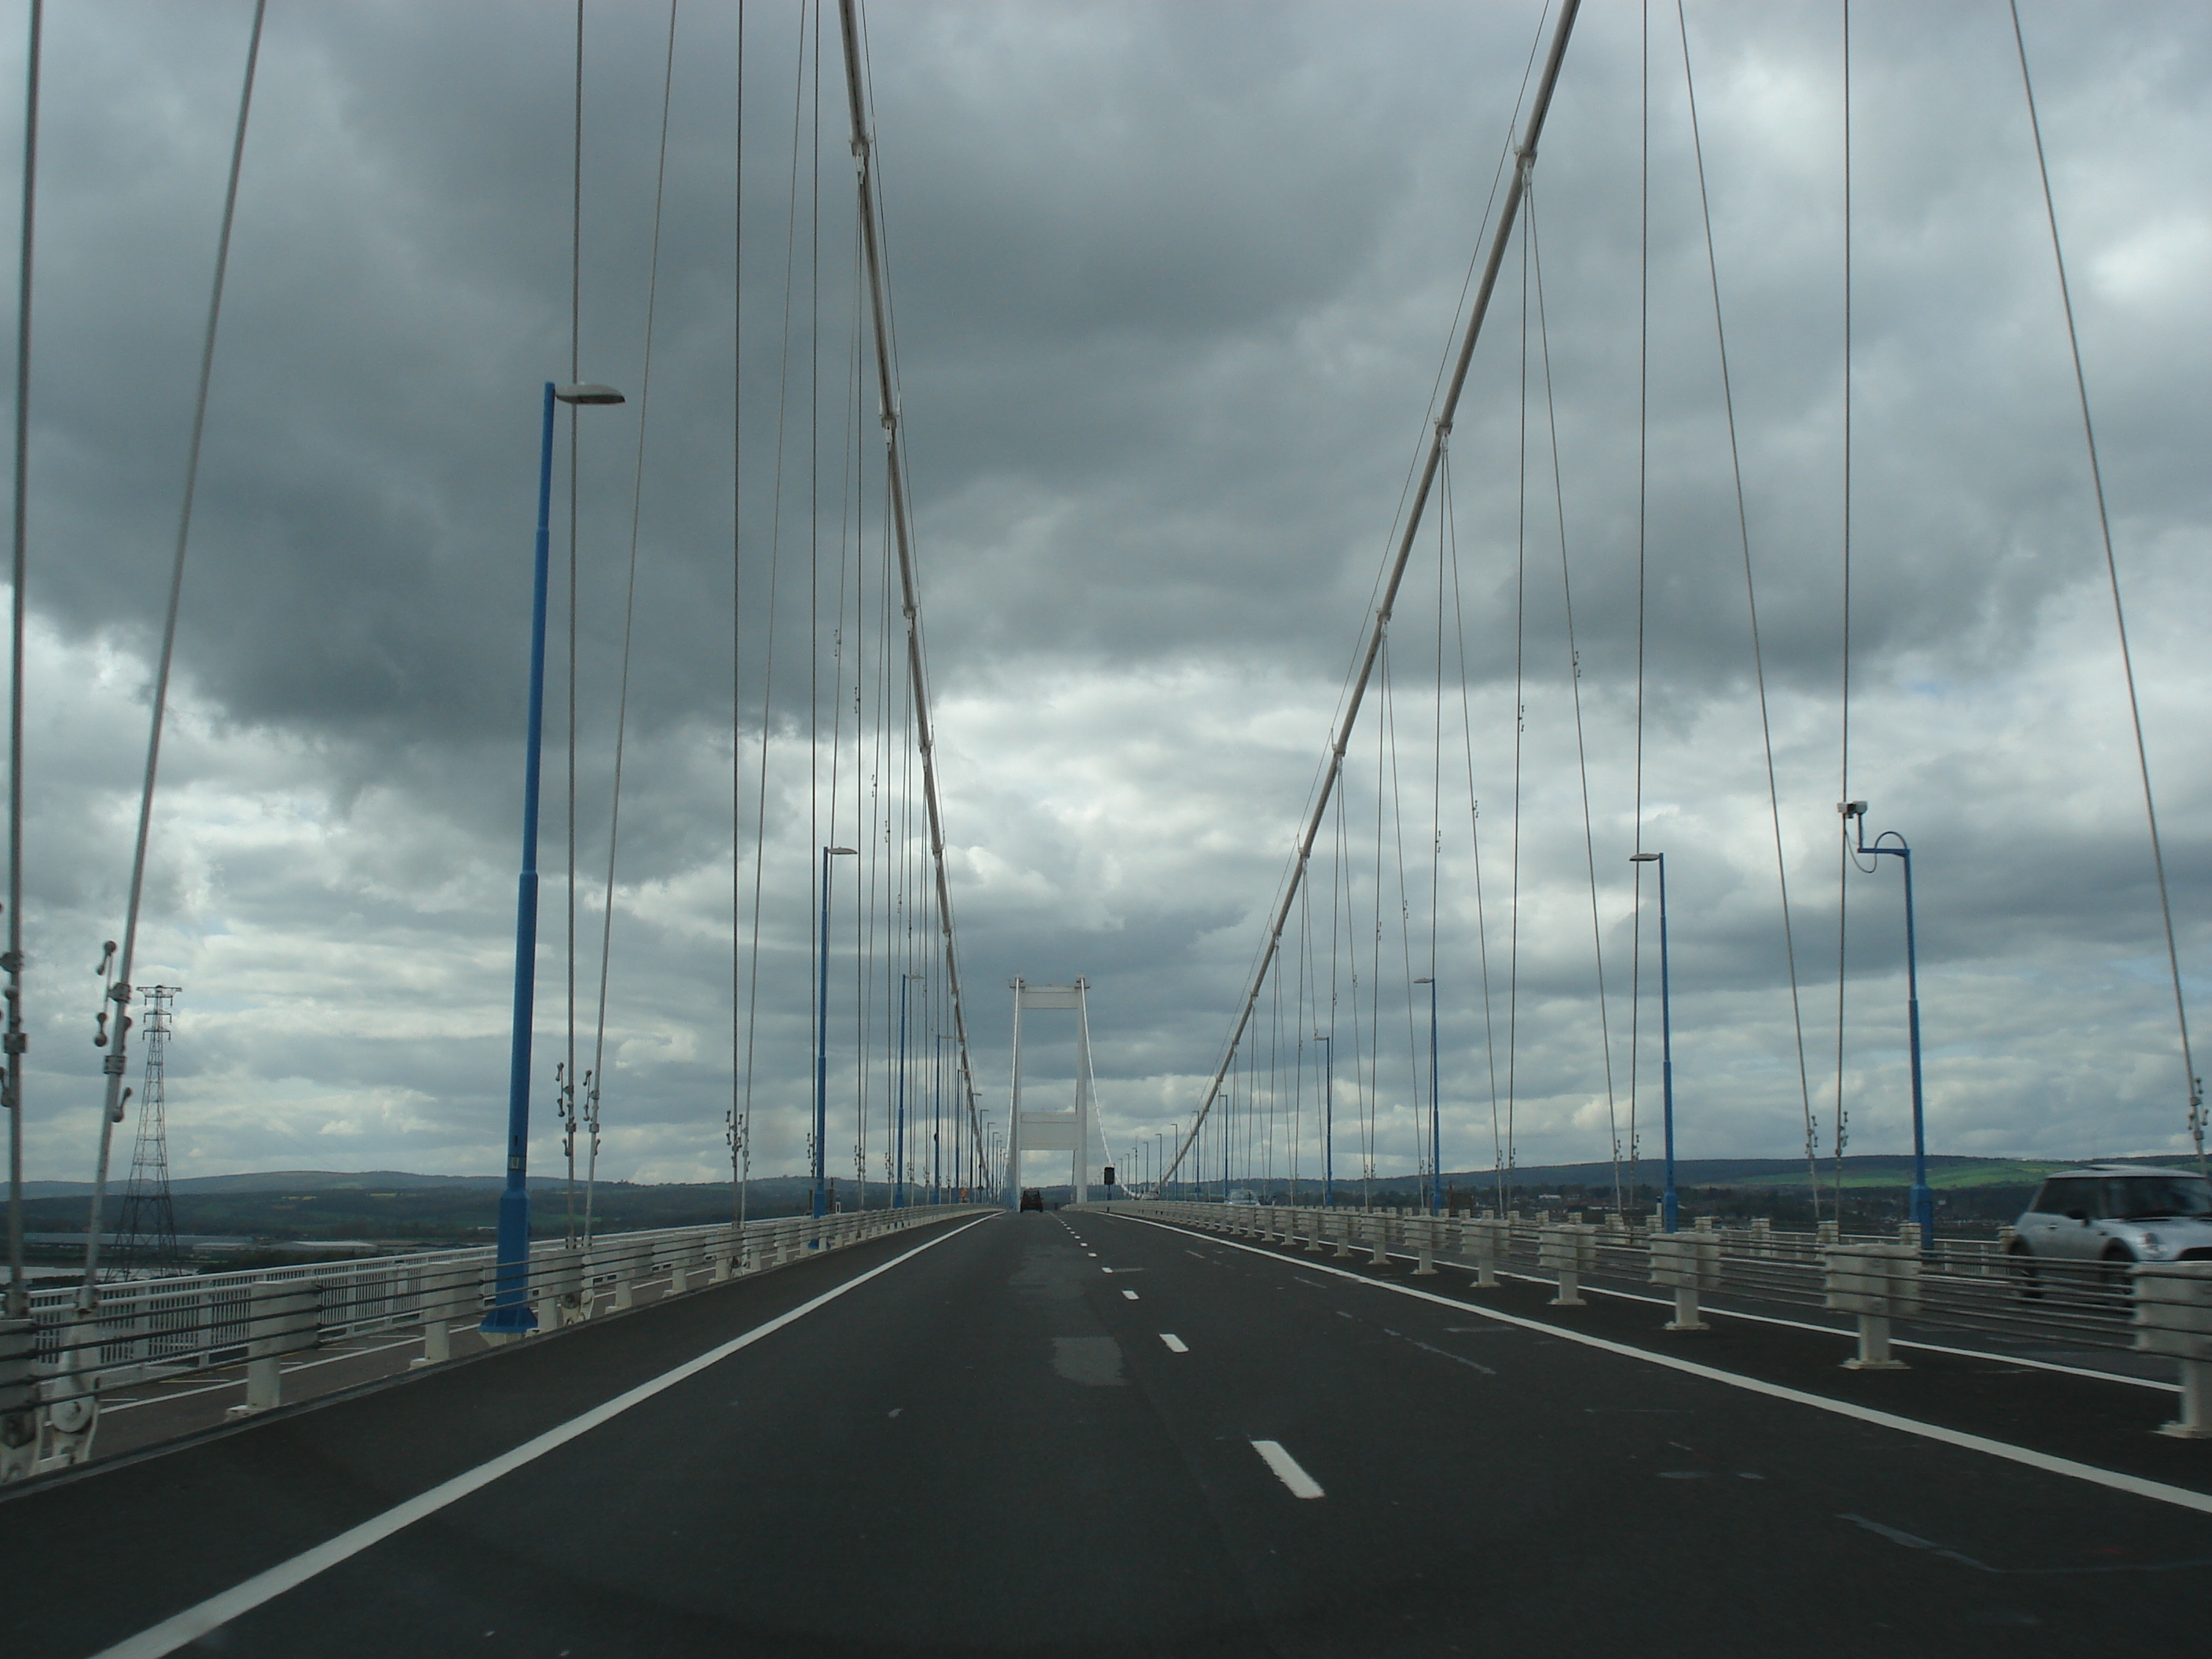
{"x":146,"y":1234}
{"x":1048,"y":1131}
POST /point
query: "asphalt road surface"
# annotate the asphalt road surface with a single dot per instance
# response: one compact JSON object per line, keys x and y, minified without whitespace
{"x":1082,"y":1433}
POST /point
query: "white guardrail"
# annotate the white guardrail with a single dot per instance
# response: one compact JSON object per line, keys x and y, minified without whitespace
{"x":54,"y":1366}
{"x":1959,"y":1287}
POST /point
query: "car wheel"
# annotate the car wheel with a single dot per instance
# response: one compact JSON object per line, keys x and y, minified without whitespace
{"x":2020,"y":1262}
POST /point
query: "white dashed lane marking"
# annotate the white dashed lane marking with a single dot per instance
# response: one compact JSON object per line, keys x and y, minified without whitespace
{"x":1286,"y":1470}
{"x":1176,"y":1344}
{"x":1132,"y":1295}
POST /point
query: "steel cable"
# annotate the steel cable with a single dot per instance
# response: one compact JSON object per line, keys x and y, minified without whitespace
{"x":2196,"y":1125}
{"x":629,"y":612}
{"x":120,"y":991}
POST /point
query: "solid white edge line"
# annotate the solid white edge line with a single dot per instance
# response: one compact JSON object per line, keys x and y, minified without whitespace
{"x":1176,"y":1344}
{"x":196,"y":1621}
{"x":2135,"y":1486}
{"x":1285,"y":1466}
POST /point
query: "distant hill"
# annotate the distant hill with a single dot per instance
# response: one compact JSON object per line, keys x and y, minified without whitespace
{"x":393,"y":1207}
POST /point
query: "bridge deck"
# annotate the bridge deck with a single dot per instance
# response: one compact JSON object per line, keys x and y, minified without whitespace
{"x":990,"y":1445}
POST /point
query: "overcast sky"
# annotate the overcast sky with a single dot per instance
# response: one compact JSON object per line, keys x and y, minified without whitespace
{"x":1172,"y":283}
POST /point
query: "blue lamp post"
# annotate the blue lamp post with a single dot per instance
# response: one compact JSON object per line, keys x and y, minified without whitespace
{"x":510,"y":1315}
{"x":1921,"y":1200}
{"x":1669,"y":1207}
{"x":822,"y":1041}
{"x":1435,"y":1128}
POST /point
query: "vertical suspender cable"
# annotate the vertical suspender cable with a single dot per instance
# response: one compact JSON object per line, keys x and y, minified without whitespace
{"x":1751,"y":602}
{"x":575,"y":336}
{"x":1843,"y":760}
{"x":1643,"y":499}
{"x":1379,"y":622}
{"x":120,"y":991}
{"x":740,"y":1124}
{"x":2119,"y":612}
{"x":1575,"y":687}
{"x":898,"y":509}
{"x":629,"y":613}
{"x":11,"y":1068}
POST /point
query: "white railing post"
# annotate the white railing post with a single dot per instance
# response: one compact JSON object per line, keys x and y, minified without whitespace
{"x":1426,"y":1233}
{"x":2174,"y":1317}
{"x":1878,"y":1283}
{"x":1486,"y":1238}
{"x":1379,"y":1239}
{"x":1570,"y":1249}
{"x":1688,"y":1263}
{"x":445,"y":1293}
{"x":284,"y":1321}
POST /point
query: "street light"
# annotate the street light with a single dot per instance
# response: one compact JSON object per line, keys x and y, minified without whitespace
{"x":1436,"y":1131}
{"x":1668,"y":1208}
{"x":1921,"y":1200}
{"x":822,"y":1041}
{"x":510,"y":1316}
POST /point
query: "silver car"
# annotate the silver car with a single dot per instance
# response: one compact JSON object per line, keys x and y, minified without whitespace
{"x":2117,"y":1213}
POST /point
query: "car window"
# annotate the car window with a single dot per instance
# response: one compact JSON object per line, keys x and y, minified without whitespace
{"x":2147,"y":1197}
{"x":2060,"y":1195}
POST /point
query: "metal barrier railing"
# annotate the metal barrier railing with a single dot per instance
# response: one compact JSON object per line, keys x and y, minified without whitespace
{"x":55,"y":1364}
{"x":1967,"y":1288}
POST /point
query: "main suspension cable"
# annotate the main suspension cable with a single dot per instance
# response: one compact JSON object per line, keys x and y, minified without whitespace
{"x":1379,"y":618}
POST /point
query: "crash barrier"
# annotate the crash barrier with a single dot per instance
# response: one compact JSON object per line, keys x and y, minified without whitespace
{"x":1952,"y":1291}
{"x":54,"y":1365}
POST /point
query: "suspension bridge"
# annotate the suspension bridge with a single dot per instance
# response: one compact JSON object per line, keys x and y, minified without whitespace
{"x":1234,"y":1395}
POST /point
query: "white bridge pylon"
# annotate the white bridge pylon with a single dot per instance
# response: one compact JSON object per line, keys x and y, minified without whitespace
{"x":1051,"y":1131}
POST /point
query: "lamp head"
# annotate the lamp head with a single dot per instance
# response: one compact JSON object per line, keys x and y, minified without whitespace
{"x":1645,"y":857}
{"x":840,"y":851}
{"x":1852,"y":809}
{"x":586,"y":392}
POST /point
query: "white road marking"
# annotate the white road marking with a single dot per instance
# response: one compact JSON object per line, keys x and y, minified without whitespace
{"x":1132,"y":1295}
{"x":1176,"y":1344}
{"x":2157,"y":1490}
{"x":1285,"y":1466}
{"x":194,"y":1622}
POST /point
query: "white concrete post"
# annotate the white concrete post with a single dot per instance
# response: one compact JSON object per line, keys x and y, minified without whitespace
{"x":449,"y":1292}
{"x":283,"y":1320}
{"x":1486,"y":1239}
{"x":1878,"y":1283}
{"x":2174,"y":1317}
{"x":1379,"y":1238}
{"x":1426,"y":1268}
{"x":1343,"y":1235}
{"x":1688,"y":1263}
{"x":1569,"y":1249}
